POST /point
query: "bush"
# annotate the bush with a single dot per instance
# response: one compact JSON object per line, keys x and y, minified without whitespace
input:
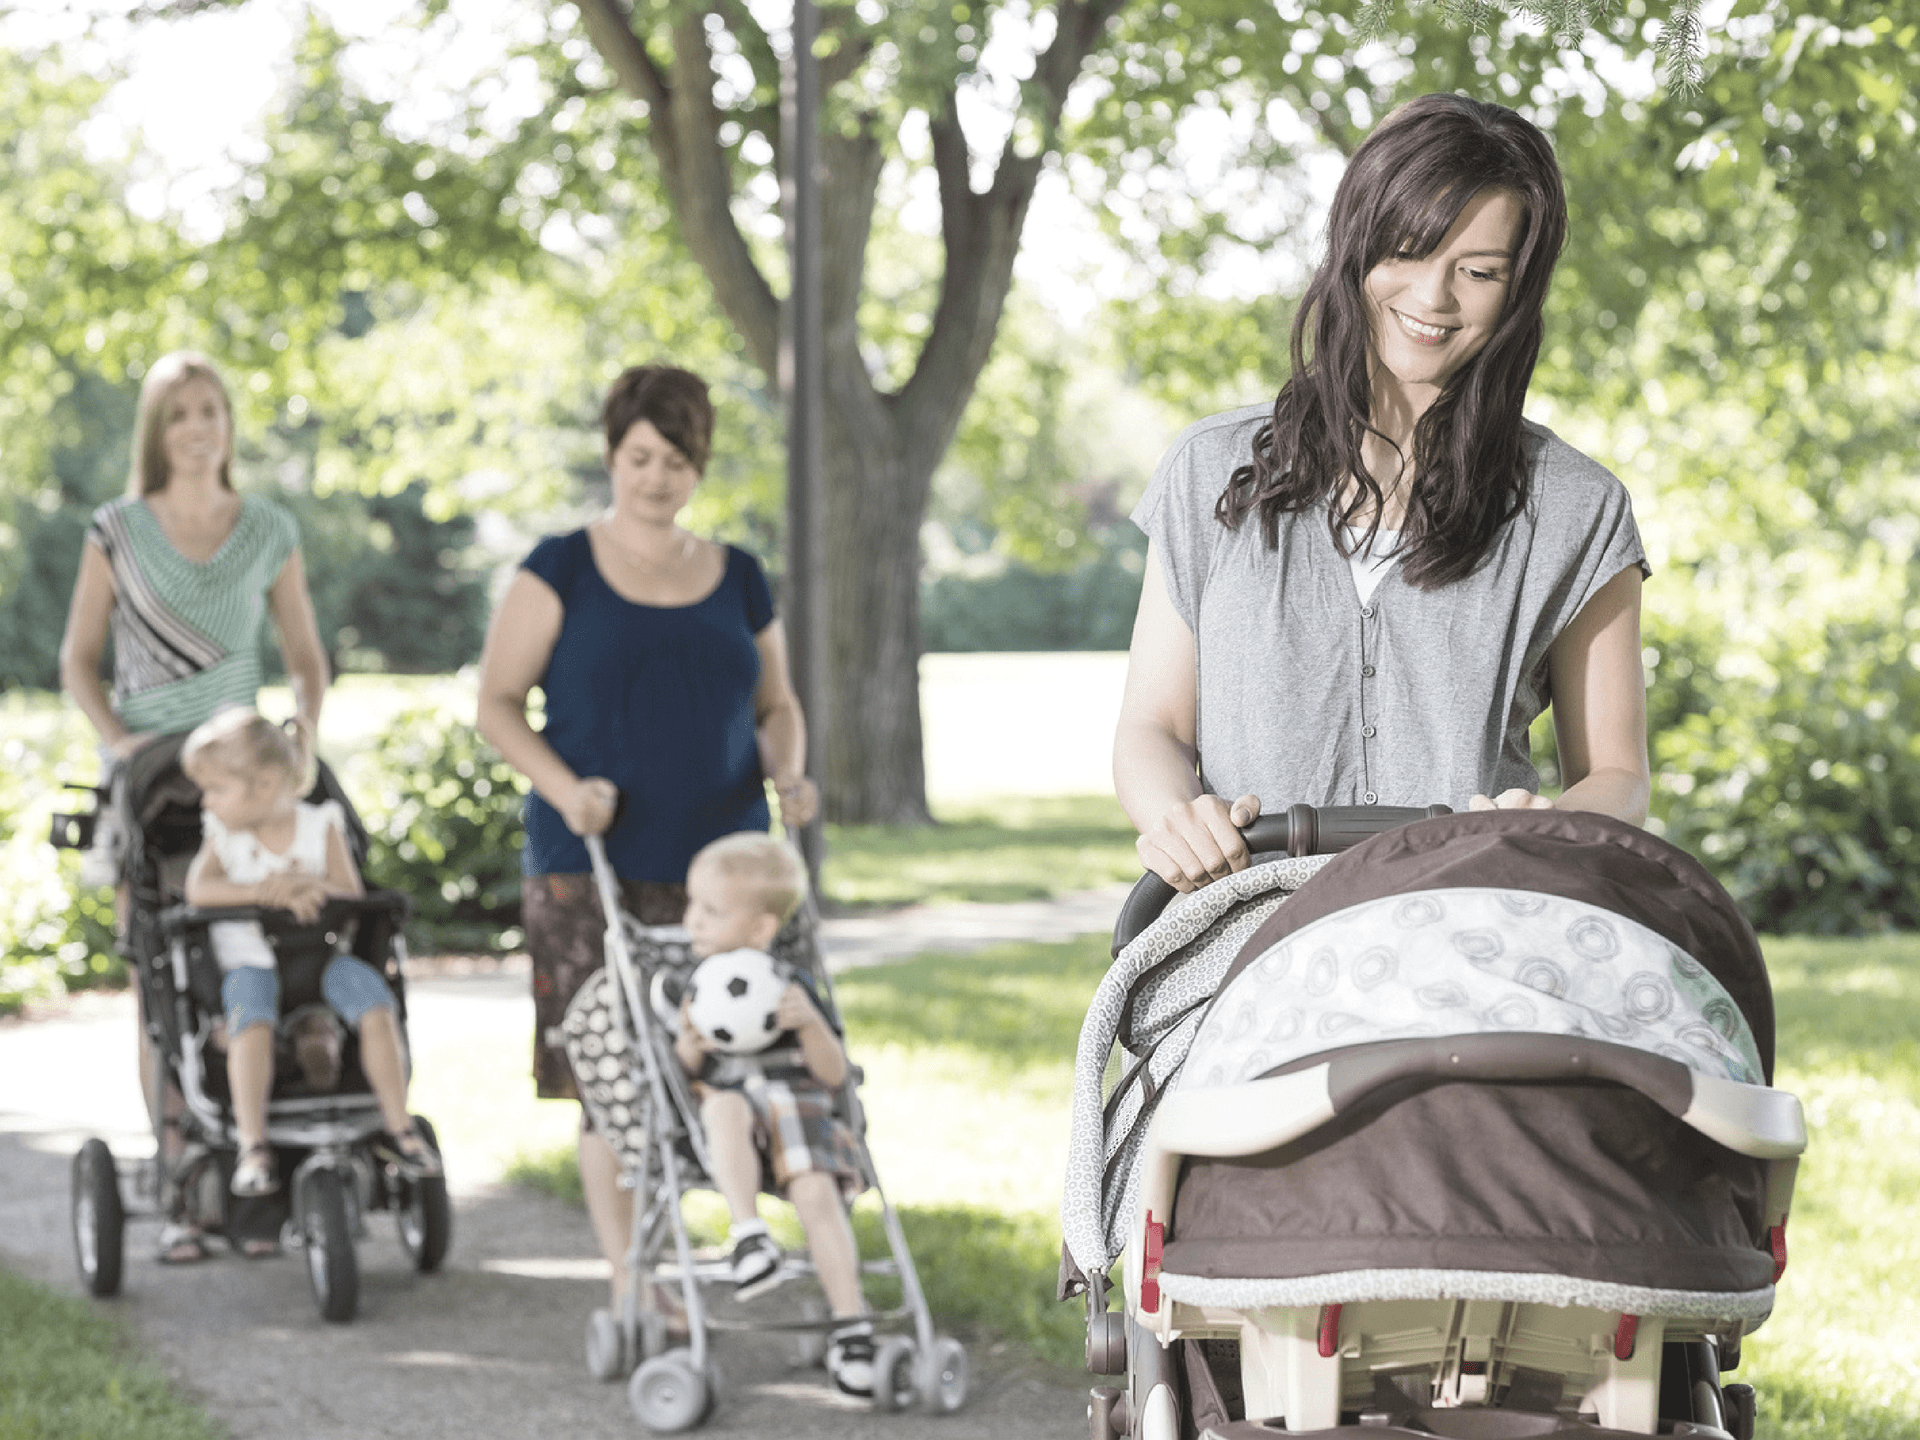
{"x":443,"y":813}
{"x":1798,"y":786}
{"x":54,"y":935}
{"x":1090,"y":607}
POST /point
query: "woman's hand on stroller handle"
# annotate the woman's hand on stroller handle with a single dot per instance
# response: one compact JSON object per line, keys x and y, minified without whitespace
{"x":588,"y":807}
{"x":1298,"y":830}
{"x":1198,"y":841}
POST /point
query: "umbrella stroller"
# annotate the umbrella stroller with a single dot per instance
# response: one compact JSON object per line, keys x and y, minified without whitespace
{"x":1471,"y":1136}
{"x":640,"y":1099}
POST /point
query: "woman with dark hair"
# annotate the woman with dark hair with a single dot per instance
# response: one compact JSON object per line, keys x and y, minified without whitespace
{"x":667,"y":701}
{"x":1367,"y":592}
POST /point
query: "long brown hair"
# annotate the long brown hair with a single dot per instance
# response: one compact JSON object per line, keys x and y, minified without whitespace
{"x":148,"y":471}
{"x":1402,"y":192}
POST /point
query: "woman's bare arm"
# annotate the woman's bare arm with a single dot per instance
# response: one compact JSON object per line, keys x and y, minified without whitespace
{"x":293,"y":618}
{"x":1187,"y":837}
{"x":781,"y":730}
{"x":85,"y":642}
{"x":1600,"y":704}
{"x":520,"y":641}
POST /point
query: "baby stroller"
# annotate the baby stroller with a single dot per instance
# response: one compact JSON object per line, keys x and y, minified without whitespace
{"x":321,"y":1119}
{"x":621,"y":1048}
{"x":1472,"y":1136}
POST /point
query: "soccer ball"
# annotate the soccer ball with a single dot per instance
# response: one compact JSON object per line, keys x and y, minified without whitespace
{"x":735,"y":994}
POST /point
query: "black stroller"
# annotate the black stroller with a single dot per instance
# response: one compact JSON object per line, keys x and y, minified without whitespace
{"x":1471,"y":1136}
{"x":640,"y":1099}
{"x":320,"y":1128}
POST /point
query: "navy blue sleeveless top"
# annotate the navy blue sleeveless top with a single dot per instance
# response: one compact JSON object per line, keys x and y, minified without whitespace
{"x":659,"y":700}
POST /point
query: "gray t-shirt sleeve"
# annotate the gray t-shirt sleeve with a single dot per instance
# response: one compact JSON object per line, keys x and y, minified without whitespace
{"x":1583,"y":517}
{"x":1176,"y":511}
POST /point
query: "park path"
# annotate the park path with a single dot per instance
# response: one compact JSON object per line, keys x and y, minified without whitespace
{"x":492,"y":1346}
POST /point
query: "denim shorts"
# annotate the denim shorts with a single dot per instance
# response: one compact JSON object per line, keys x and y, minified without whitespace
{"x":352,"y":987}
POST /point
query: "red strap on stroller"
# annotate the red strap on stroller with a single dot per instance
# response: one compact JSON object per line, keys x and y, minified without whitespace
{"x":1329,"y":1331}
{"x":1777,"y":1242}
{"x":1623,"y":1337}
{"x":1156,"y":1241}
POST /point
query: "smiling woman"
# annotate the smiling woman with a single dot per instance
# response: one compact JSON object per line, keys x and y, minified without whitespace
{"x":1429,"y":571}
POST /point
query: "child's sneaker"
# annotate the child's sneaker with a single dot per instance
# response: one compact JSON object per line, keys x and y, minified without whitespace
{"x":850,"y":1353}
{"x":755,"y":1261}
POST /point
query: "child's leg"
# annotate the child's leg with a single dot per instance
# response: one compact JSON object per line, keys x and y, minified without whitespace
{"x":357,"y":993}
{"x":836,"y":1257}
{"x":728,"y":1121}
{"x":252,"y":998}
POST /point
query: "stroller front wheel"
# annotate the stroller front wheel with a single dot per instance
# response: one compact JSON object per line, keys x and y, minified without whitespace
{"x":668,"y":1395}
{"x":327,"y":1227}
{"x":425,"y":1215}
{"x":895,"y":1383}
{"x":99,"y":1222}
{"x":606,"y":1346}
{"x":945,"y":1386}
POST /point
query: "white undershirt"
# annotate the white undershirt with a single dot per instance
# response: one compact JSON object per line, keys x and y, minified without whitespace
{"x":1370,"y":563}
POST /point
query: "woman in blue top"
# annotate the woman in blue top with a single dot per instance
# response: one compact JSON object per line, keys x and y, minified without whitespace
{"x":665,"y":676}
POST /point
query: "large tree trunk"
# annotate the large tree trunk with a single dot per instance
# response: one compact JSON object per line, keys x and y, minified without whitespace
{"x":869,"y":739}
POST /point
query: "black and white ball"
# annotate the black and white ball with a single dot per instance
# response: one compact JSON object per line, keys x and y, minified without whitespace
{"x":735,"y":995}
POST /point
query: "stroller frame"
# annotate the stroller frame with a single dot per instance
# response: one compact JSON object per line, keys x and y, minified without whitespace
{"x":334,"y":1179}
{"x":1426,"y":1364}
{"x":675,"y":1389}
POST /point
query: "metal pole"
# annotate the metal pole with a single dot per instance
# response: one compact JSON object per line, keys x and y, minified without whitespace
{"x":802,"y":359}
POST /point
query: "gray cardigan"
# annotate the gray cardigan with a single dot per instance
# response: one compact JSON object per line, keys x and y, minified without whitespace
{"x":1415,"y":697}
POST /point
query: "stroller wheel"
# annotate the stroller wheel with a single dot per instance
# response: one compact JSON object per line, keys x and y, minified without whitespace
{"x":945,"y":1382}
{"x":99,"y":1224}
{"x":606,"y":1347}
{"x":327,"y":1228}
{"x":425,"y":1215}
{"x":668,"y":1395}
{"x":894,"y":1381}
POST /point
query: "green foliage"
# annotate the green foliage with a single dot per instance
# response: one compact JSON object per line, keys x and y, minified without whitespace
{"x":54,"y":935}
{"x":66,"y":1374}
{"x":1018,"y":607}
{"x":1801,"y":789}
{"x":443,"y":813}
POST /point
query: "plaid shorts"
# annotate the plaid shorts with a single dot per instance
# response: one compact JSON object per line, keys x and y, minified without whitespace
{"x":561,"y":915}
{"x":795,"y":1130}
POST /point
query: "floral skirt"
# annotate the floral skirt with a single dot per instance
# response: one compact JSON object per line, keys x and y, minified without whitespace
{"x":564,"y":924}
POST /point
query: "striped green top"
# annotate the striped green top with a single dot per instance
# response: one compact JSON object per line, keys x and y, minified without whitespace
{"x":186,"y":634}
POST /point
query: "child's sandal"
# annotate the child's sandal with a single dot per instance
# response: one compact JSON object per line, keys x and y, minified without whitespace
{"x":254,"y":1174}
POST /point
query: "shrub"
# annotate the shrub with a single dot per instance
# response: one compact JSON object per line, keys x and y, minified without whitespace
{"x":1799,"y":785}
{"x":443,"y":813}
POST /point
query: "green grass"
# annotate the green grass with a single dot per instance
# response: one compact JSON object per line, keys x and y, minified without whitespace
{"x":66,"y":1374}
{"x":1841,"y":1355}
{"x":995,"y":850}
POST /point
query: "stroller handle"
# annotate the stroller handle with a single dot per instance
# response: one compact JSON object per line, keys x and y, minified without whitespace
{"x":339,"y":909}
{"x":1297,"y":830}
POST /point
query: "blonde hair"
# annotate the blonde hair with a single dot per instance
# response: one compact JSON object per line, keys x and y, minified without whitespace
{"x":768,"y":868}
{"x":242,"y":741}
{"x":148,"y":471}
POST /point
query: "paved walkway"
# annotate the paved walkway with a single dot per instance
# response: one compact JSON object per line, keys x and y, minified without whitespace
{"x":854,"y":940}
{"x":492,"y":1347}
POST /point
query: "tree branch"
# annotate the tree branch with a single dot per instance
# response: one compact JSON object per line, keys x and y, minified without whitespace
{"x":981,"y":233}
{"x":684,"y":131}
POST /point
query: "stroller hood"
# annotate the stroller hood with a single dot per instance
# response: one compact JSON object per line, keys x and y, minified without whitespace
{"x":1580,"y":856}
